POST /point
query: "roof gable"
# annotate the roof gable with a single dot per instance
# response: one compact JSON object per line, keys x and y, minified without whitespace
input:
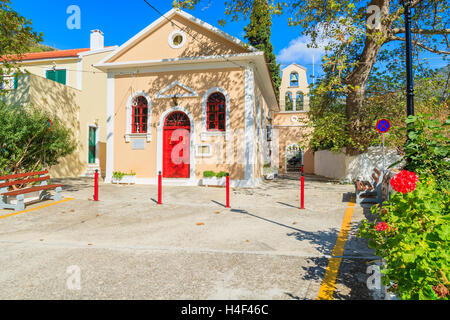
{"x":176,"y":90}
{"x":292,"y":65}
{"x":200,"y":39}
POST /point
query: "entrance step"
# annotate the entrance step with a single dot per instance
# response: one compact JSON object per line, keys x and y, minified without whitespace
{"x":90,"y":171}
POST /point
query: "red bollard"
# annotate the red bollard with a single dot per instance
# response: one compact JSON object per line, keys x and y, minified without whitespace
{"x":96,"y":186}
{"x":228,"y":190}
{"x":302,"y":191}
{"x":160,"y":188}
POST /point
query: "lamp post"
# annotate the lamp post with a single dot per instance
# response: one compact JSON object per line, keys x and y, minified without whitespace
{"x":409,"y":69}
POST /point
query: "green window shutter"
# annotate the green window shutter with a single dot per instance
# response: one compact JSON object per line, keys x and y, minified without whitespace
{"x":61,"y":76}
{"x":16,"y":81}
{"x":57,"y":75}
{"x":51,"y":75}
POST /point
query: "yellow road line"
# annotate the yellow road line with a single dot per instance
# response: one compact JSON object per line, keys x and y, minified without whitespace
{"x":41,"y":207}
{"x":328,"y":285}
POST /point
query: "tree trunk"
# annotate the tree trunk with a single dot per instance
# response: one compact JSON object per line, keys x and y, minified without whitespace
{"x":357,"y":79}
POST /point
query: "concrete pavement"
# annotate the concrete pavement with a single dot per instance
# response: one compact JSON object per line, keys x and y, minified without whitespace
{"x":191,"y":247}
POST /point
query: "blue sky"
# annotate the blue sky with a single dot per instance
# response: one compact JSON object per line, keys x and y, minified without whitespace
{"x":120,"y":20}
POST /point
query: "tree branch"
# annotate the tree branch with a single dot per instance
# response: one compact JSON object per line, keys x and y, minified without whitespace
{"x":395,"y":38}
{"x":421,"y":31}
{"x":399,"y":11}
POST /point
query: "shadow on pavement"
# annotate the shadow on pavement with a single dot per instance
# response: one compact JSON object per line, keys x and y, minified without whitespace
{"x":75,"y":184}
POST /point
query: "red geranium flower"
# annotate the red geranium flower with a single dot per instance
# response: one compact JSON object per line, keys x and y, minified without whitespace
{"x":381,"y":226}
{"x":404,"y":181}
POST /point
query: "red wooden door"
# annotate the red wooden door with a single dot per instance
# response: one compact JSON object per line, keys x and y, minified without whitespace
{"x":176,"y":149}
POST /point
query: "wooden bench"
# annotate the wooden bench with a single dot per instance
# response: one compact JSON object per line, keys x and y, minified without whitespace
{"x":25,"y":179}
{"x":370,"y":191}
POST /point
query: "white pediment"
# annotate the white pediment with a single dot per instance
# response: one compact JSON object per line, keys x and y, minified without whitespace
{"x":171,"y":91}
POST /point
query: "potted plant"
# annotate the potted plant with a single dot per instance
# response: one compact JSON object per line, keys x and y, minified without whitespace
{"x":269,"y":171}
{"x":210,"y":178}
{"x":124,"y":178}
{"x":221,"y":178}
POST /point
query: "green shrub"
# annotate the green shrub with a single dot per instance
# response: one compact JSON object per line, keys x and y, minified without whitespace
{"x":119,"y":175}
{"x":27,"y":142}
{"x":221,"y":174}
{"x":427,"y":149}
{"x":413,"y":238}
{"x":412,"y":232}
{"x":209,"y":174}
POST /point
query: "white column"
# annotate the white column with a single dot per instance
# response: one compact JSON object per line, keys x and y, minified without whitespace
{"x":249,"y":123}
{"x":110,"y":128}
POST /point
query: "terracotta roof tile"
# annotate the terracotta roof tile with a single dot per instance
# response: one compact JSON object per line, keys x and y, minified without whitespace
{"x":48,"y":54}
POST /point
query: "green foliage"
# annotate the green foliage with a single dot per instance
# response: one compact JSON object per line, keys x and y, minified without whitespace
{"x":330,"y":125}
{"x":258,"y":34}
{"x":26,"y":141}
{"x":16,"y":38}
{"x":41,"y":48}
{"x":221,"y":174}
{"x":119,"y":175}
{"x":386,"y":99}
{"x":209,"y":174}
{"x":415,"y":245}
{"x":427,"y":149}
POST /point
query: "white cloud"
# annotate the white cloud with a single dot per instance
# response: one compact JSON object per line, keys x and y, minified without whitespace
{"x":207,"y":6}
{"x":298,"y":50}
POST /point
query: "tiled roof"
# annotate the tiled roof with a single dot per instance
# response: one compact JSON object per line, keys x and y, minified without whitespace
{"x":49,"y":54}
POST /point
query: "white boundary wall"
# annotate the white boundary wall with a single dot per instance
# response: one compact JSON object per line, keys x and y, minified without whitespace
{"x":340,"y":166}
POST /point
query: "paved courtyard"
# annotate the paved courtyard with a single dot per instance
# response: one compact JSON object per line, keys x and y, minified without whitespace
{"x":191,"y":247}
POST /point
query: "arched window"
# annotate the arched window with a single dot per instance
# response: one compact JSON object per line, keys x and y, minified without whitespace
{"x":216,"y":112}
{"x":294,"y":79}
{"x":177,"y":119}
{"x":289,"y":103}
{"x":139,"y":115}
{"x":299,"y":105}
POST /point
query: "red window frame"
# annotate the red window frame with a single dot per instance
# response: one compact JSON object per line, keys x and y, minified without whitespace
{"x":216,"y":112}
{"x":139,"y":115}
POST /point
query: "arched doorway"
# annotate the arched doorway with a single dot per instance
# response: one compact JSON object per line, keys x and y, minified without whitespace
{"x":293,"y":158}
{"x":176,"y":145}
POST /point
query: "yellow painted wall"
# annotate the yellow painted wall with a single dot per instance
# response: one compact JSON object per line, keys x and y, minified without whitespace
{"x":143,"y":162}
{"x":61,"y":102}
{"x":93,"y":101}
{"x":76,"y":108}
{"x":290,"y":132}
{"x":155,"y":46}
{"x":302,"y":87}
{"x":39,"y":68}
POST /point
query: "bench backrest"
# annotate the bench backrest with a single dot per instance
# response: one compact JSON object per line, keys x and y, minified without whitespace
{"x":14,"y":179}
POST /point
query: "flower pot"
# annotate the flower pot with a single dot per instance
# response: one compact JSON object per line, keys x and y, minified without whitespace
{"x":214,"y":181}
{"x":127,"y":179}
